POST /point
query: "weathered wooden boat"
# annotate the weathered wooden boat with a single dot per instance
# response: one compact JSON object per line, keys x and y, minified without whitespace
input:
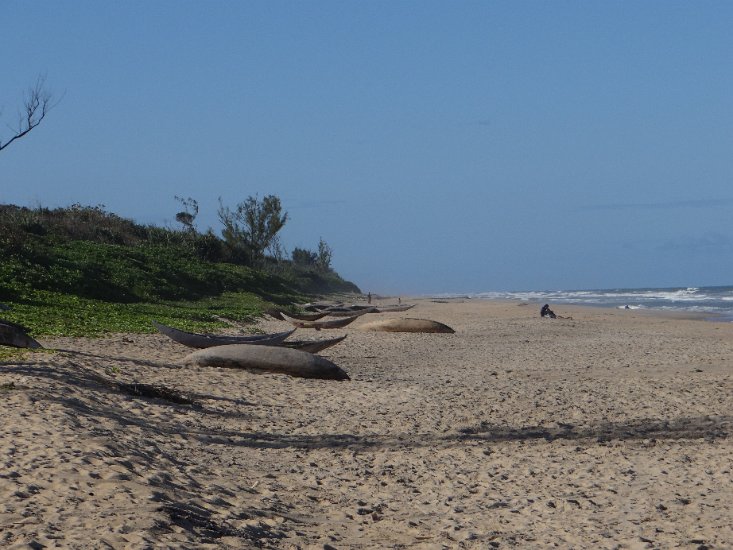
{"x":259,"y":359}
{"x":194,"y":340}
{"x":392,"y":309}
{"x":311,"y":346}
{"x":350,"y":312}
{"x":278,"y":314}
{"x":337,"y":309}
{"x":318,"y":325}
{"x":407,"y":325}
{"x":15,"y":335}
{"x":344,"y":307}
{"x":318,"y":306}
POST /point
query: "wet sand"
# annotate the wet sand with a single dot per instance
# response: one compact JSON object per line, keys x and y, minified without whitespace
{"x":608,"y":430}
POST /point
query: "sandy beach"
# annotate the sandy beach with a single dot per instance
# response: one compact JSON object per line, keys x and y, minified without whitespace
{"x":608,"y":430}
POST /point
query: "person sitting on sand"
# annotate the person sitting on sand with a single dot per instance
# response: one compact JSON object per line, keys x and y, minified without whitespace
{"x":547,"y":312}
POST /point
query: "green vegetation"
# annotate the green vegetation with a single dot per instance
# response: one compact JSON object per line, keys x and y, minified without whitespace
{"x":252,"y":226}
{"x":84,"y":271}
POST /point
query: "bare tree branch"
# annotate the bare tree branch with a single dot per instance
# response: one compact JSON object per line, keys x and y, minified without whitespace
{"x":37,"y":104}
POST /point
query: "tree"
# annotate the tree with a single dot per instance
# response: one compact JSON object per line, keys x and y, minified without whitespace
{"x":325,"y":253}
{"x":304,"y":257}
{"x":37,"y":104}
{"x":276,"y":249}
{"x":320,"y":261}
{"x":188,"y":216}
{"x":252,"y":226}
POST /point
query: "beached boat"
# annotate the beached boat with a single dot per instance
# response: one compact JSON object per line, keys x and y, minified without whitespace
{"x":318,"y":306}
{"x":13,"y":334}
{"x":261,"y":359}
{"x":278,"y":314}
{"x":407,"y":325}
{"x":311,"y":346}
{"x":392,"y":309}
{"x":318,"y":325}
{"x":194,"y":340}
{"x":350,"y":312}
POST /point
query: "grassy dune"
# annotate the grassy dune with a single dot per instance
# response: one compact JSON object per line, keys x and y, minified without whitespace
{"x":82,"y":271}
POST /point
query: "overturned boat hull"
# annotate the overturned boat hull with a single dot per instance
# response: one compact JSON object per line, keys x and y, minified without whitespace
{"x":260,"y":359}
{"x":407,"y":325}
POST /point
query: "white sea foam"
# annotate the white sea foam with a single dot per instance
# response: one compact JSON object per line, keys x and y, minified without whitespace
{"x":717,"y":300}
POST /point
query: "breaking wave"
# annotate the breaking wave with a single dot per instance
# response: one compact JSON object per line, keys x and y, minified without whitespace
{"x":716,"y":300}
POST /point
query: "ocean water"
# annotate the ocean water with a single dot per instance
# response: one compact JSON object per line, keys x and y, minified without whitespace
{"x":716,"y":300}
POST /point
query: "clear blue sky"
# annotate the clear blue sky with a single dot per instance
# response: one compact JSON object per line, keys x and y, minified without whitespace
{"x":436,"y":146}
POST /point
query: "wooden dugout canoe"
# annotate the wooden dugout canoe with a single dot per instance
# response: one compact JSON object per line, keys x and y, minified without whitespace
{"x":278,"y":314}
{"x":259,"y":359}
{"x":318,"y":325}
{"x":312,"y":346}
{"x":318,"y":306}
{"x":351,"y":312}
{"x":15,"y":335}
{"x":194,"y":340}
{"x":392,"y":309}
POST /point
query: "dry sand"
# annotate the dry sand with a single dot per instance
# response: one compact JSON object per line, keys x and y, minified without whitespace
{"x":611,"y":430}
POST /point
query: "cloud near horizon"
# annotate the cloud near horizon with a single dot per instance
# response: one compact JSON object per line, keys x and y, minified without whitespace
{"x":695,"y":203}
{"x":703,"y":244}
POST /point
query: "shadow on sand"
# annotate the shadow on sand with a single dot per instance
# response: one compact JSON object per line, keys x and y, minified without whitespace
{"x":99,"y":405}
